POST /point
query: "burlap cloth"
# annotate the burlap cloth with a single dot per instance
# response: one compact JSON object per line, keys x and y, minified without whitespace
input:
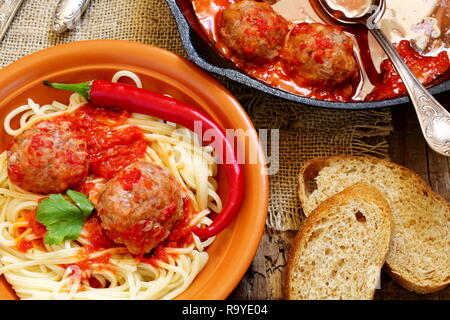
{"x":305,"y":132}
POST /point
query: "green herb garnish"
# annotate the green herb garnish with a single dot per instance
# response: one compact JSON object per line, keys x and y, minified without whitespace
{"x":63,"y":219}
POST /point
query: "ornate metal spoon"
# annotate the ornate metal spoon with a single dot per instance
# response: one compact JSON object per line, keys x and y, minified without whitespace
{"x":434,"y":119}
{"x":7,"y":12}
{"x":67,"y":14}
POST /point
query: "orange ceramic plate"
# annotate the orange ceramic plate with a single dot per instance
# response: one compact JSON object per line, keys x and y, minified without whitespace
{"x":164,"y":72}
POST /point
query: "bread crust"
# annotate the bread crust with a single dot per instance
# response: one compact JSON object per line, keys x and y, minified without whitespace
{"x":360,"y":190}
{"x":317,"y":164}
{"x":312,"y":168}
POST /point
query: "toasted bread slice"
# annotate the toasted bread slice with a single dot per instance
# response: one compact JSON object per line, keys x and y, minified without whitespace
{"x":340,"y":249}
{"x":419,"y":254}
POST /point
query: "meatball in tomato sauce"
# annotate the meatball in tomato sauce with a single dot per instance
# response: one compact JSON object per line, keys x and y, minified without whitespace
{"x":139,"y":206}
{"x":320,"y":54}
{"x":252,"y":31}
{"x":47,"y":158}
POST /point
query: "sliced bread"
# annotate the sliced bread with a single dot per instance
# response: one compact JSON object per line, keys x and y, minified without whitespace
{"x":419,"y":254}
{"x":340,"y":249}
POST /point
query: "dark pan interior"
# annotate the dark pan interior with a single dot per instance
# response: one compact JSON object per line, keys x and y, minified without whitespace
{"x":200,"y":51}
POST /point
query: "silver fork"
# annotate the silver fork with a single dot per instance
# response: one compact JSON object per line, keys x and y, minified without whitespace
{"x":7,"y":12}
{"x":434,"y":119}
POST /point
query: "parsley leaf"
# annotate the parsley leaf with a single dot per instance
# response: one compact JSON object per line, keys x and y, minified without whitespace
{"x":82,"y":202}
{"x":63,"y":219}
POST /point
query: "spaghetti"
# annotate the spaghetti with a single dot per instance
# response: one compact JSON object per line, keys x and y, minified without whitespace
{"x":82,"y":269}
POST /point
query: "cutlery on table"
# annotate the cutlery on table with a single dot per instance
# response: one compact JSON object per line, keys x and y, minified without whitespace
{"x":67,"y":13}
{"x":7,"y":12}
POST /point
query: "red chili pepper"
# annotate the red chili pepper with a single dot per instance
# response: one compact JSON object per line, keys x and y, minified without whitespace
{"x":133,"y":99}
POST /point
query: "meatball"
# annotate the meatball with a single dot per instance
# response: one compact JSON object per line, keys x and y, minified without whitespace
{"x":139,"y":206}
{"x":320,"y":54}
{"x":48,"y":158}
{"x":253,"y":30}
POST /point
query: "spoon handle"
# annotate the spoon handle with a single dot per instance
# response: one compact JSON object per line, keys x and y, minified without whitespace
{"x":434,"y":119}
{"x":67,"y":14}
{"x":8,"y":10}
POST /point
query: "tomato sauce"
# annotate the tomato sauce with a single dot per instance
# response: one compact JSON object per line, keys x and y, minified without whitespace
{"x":110,"y":150}
{"x":24,"y":245}
{"x":96,"y":234}
{"x":37,"y":229}
{"x":384,"y":84}
{"x":15,"y":171}
{"x":86,"y":188}
{"x":140,"y":235}
{"x":180,"y":236}
{"x":425,"y":68}
{"x":128,"y":179}
{"x":37,"y":143}
{"x":85,"y":263}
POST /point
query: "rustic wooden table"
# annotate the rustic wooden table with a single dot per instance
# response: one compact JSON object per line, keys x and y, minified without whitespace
{"x":264,"y":278}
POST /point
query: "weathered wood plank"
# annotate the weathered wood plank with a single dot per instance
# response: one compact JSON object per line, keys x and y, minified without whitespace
{"x":439,"y":175}
{"x":407,"y":146}
{"x":264,"y":278}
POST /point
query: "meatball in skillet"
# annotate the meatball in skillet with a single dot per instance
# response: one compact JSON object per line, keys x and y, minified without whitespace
{"x":320,"y":54}
{"x":47,"y":158}
{"x":253,"y":31}
{"x":139,"y":206}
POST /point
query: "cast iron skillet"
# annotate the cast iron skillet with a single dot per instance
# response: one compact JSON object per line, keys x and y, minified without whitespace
{"x":200,"y":51}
